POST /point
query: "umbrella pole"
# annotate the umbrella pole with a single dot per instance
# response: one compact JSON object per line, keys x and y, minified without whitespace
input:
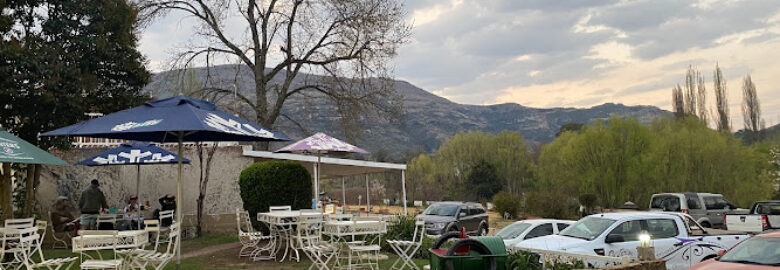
{"x":137,"y":195}
{"x":178,"y":205}
{"x":317,"y":184}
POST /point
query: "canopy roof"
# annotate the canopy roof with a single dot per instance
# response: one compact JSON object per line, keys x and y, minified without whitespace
{"x":161,"y":120}
{"x":331,"y":167}
{"x":133,"y":153}
{"x":321,"y":144}
{"x":15,"y":150}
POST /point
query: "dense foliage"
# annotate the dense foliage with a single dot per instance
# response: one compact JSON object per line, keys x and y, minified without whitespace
{"x":612,"y":161}
{"x":272,"y":183}
{"x":445,"y":175}
{"x":402,"y":228}
{"x":506,"y":203}
{"x":627,"y":161}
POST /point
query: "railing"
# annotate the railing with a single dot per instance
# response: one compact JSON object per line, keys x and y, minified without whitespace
{"x":561,"y":257}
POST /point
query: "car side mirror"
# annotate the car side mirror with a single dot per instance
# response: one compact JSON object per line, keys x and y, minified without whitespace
{"x":721,"y":253}
{"x":614,"y":238}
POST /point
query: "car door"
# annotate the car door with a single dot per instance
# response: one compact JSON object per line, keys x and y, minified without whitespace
{"x":712,"y":210}
{"x":464,"y":220}
{"x":629,"y":231}
{"x":720,"y":209}
{"x":540,"y":230}
{"x":662,"y":237}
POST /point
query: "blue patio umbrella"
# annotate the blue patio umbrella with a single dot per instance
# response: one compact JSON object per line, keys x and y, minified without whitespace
{"x":176,"y":119}
{"x":134,"y":153}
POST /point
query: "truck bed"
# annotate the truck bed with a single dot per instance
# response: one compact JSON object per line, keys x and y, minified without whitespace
{"x":716,"y":232}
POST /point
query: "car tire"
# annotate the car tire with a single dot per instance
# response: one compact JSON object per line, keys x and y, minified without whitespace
{"x":483,"y":230}
{"x":706,"y":224}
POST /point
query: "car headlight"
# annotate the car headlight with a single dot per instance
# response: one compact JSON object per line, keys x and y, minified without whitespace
{"x":438,"y":226}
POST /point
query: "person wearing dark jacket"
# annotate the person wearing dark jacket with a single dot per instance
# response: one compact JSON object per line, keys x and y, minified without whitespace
{"x":167,"y":202}
{"x":91,"y":203}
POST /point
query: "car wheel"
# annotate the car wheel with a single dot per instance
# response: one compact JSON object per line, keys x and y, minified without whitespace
{"x":706,"y":225}
{"x":483,"y":230}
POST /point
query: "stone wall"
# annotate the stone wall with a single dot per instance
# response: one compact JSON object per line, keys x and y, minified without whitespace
{"x":118,"y":182}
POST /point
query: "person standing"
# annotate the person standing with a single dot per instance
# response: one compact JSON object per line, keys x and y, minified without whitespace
{"x":91,"y":203}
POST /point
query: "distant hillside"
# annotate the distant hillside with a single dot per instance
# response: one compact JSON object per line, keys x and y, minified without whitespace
{"x":428,"y":120}
{"x":770,"y":132}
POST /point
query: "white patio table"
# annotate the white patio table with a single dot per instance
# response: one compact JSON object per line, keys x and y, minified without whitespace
{"x":281,"y":224}
{"x":343,"y":234}
{"x":127,"y":240}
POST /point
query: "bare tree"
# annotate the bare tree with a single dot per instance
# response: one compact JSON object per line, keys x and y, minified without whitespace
{"x":205,"y":170}
{"x":751,"y":110}
{"x":690,"y":91}
{"x":348,"y":42}
{"x":702,"y":98}
{"x":721,"y":101}
{"x":678,"y":102}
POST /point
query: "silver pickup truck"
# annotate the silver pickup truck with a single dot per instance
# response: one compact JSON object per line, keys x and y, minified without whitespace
{"x":764,"y":215}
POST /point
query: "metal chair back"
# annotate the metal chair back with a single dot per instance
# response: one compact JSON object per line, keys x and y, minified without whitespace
{"x":279,"y":208}
{"x":20,"y":223}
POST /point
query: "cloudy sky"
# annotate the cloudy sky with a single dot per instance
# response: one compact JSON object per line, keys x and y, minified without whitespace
{"x":574,"y":53}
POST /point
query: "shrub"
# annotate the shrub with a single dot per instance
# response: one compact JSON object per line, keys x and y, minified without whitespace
{"x":268,"y":183}
{"x":505,"y":202}
{"x":588,"y":200}
{"x":549,"y":204}
{"x":403,"y":229}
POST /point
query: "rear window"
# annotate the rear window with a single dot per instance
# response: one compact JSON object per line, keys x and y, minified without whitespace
{"x":562,"y":226}
{"x":476,"y":210}
{"x":541,"y":230}
{"x":771,"y":208}
{"x":666,"y":202}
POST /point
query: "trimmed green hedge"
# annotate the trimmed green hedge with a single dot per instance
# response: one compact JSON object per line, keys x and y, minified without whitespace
{"x":274,"y":183}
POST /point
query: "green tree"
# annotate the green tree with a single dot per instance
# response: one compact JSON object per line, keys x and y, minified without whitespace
{"x":62,"y":58}
{"x":482,"y":181}
{"x":269,"y":183}
{"x":572,"y":127}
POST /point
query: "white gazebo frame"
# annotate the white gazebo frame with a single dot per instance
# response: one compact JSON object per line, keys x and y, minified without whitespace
{"x":335,"y":167}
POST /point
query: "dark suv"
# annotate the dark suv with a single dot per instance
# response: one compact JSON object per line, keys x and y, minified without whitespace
{"x":445,"y":217}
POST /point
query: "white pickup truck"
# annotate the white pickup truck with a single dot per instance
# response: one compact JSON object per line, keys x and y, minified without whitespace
{"x":764,"y":215}
{"x":676,"y":237}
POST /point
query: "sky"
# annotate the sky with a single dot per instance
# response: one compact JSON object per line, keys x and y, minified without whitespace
{"x":575,"y":53}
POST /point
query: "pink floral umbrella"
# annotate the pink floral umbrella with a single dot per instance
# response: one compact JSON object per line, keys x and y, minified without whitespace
{"x":320,"y":144}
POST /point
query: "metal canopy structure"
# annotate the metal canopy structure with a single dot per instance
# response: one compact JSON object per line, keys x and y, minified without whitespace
{"x":332,"y":168}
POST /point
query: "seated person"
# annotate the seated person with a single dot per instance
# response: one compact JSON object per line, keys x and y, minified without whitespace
{"x":61,"y":219}
{"x":132,"y":213}
{"x":167,"y":202}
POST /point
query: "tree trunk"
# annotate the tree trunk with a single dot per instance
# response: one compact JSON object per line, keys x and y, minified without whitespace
{"x":204,"y":181}
{"x":31,"y":187}
{"x":5,"y":193}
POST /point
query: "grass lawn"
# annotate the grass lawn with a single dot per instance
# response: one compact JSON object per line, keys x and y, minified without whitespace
{"x":217,"y":257}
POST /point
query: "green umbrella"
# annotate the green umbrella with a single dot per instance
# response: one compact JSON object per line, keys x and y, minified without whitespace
{"x":15,"y":150}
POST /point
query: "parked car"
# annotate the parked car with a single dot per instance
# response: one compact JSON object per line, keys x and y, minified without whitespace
{"x":759,"y":252}
{"x":445,"y":217}
{"x":531,"y":228}
{"x":707,"y":209}
{"x":677,"y":238}
{"x":761,"y":217}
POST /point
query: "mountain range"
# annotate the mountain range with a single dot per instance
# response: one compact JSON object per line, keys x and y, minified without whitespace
{"x":427,"y":121}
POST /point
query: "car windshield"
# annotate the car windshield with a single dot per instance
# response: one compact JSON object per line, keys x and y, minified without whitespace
{"x":441,"y":209}
{"x":513,"y":230}
{"x":755,"y":250}
{"x":588,"y":228}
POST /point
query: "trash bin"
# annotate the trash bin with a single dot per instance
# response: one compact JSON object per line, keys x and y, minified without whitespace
{"x":486,"y":252}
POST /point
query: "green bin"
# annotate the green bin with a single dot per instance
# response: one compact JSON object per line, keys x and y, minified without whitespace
{"x":474,"y":260}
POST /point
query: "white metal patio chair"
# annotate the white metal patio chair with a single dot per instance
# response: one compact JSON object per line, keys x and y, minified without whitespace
{"x":309,"y":239}
{"x":406,"y":249}
{"x":279,"y":208}
{"x":16,"y":245}
{"x":60,"y":239}
{"x":251,"y":239}
{"x":141,"y":259}
{"x":20,"y":223}
{"x":97,"y":241}
{"x":32,"y":245}
{"x":106,"y":219}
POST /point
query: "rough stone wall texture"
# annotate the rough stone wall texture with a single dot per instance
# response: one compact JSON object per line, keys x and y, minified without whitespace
{"x":118,"y":182}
